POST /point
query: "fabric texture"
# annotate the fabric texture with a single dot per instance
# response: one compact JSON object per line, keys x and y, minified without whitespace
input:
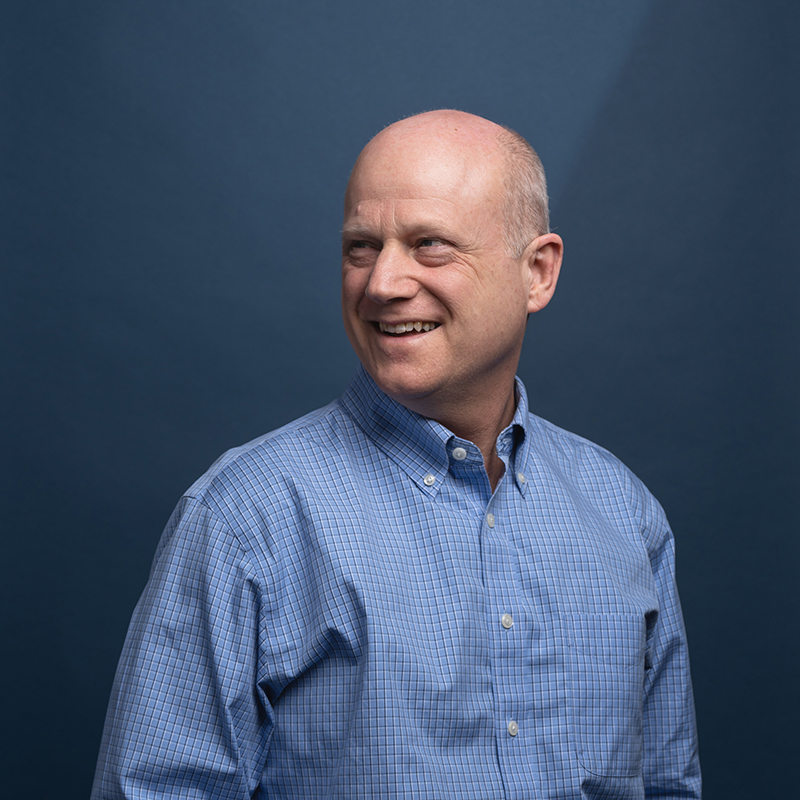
{"x":343,"y":609}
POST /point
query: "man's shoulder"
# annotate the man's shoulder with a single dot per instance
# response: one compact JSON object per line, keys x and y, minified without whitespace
{"x":303,"y":449}
{"x":569,"y":447}
{"x":590,"y":468}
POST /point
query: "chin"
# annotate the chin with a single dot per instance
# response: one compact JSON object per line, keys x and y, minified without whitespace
{"x":403,"y":387}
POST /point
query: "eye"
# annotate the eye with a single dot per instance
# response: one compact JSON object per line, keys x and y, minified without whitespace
{"x":431,"y":251}
{"x":360,"y":252}
{"x":356,"y":246}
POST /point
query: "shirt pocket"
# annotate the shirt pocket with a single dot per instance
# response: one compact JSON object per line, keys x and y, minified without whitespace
{"x":605,"y":680}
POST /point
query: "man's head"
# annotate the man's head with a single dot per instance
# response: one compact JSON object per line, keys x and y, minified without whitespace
{"x":445,"y":234}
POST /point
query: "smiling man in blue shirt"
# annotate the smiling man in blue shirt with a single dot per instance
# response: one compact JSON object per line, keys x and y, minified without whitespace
{"x":421,"y":590}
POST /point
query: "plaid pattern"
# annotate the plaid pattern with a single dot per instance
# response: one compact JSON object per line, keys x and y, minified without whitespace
{"x":342,"y":609}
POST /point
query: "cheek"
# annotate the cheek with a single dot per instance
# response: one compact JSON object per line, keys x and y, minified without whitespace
{"x":353,"y":284}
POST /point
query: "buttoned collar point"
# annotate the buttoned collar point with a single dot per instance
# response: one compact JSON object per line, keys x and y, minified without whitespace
{"x":416,"y":444}
{"x":513,"y":443}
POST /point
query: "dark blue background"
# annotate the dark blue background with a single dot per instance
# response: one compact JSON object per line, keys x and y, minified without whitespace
{"x":171,"y":193}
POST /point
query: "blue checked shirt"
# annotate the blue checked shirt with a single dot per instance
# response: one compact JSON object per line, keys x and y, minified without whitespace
{"x":343,"y":609}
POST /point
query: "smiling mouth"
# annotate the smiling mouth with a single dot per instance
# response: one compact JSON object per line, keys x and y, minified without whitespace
{"x":406,"y":327}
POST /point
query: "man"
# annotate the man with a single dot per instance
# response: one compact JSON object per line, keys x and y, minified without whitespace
{"x":420,"y":590}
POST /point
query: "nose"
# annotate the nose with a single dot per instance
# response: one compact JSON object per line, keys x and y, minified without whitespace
{"x":391,"y":277}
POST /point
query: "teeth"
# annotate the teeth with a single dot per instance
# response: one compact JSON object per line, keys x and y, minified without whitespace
{"x":406,"y":327}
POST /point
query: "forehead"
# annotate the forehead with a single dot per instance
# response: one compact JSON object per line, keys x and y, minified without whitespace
{"x":419,"y":171}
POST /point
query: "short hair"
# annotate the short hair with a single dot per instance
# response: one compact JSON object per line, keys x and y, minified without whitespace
{"x":526,"y":204}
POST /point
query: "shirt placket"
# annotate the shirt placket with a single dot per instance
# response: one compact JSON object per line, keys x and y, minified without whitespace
{"x":509,"y":623}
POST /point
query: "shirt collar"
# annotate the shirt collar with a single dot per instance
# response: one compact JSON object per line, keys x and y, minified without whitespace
{"x":420,"y":446}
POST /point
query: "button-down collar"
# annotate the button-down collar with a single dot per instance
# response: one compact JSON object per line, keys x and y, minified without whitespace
{"x":422,"y":447}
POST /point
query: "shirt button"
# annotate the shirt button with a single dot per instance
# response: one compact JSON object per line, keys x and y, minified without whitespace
{"x":521,"y":478}
{"x":459,"y":453}
{"x":506,"y":621}
{"x":513,"y":728}
{"x":429,"y":480}
{"x":490,"y":520}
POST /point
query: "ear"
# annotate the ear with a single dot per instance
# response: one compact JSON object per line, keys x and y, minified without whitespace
{"x":543,"y":262}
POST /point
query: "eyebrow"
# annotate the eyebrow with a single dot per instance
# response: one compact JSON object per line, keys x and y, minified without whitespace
{"x":356,"y":230}
{"x":432,"y":229}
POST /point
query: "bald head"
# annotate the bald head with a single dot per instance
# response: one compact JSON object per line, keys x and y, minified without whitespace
{"x":482,"y":146}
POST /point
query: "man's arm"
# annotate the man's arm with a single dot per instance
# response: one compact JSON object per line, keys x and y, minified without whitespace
{"x":671,"y":765}
{"x":186,"y":716}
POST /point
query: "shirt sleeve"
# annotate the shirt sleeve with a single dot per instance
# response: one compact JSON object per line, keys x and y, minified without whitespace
{"x":187,"y":718}
{"x":671,"y":763}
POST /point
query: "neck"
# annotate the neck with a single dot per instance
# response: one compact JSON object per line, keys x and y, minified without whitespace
{"x":479,"y":423}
